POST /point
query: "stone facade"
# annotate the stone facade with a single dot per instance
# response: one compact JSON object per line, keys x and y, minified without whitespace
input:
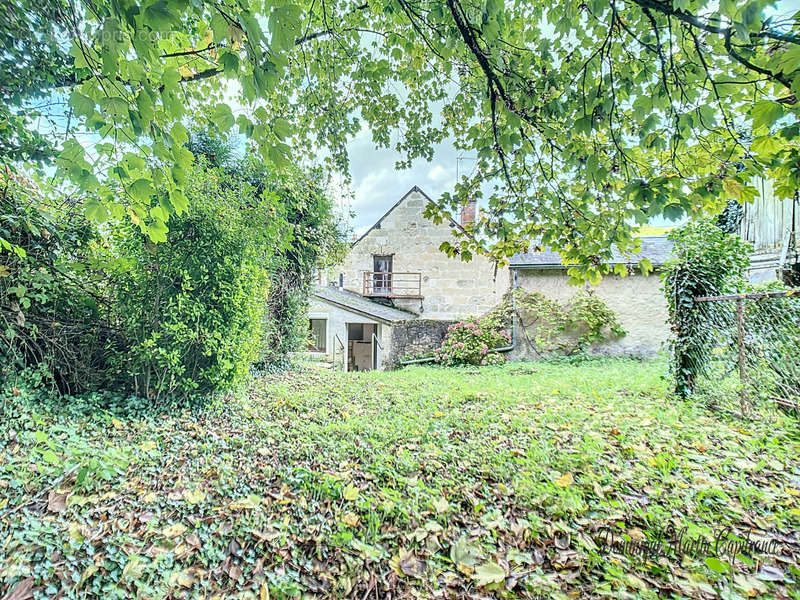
{"x":451,"y":288}
{"x":637,"y":300}
{"x":415,"y":338}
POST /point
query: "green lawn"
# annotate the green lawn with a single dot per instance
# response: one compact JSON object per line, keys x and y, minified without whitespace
{"x":422,"y":483}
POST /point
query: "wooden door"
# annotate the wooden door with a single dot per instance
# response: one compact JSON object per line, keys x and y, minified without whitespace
{"x":382,"y":277}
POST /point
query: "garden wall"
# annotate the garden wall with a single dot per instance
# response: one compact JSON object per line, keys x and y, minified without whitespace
{"x":415,"y":338}
{"x":637,"y":301}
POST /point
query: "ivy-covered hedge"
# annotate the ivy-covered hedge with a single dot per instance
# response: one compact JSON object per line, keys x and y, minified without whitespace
{"x":190,"y":310}
{"x":706,"y":261}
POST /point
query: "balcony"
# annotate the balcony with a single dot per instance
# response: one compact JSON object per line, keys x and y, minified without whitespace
{"x":392,"y":285}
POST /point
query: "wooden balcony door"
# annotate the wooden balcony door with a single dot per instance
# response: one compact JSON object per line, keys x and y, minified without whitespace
{"x":382,"y":276}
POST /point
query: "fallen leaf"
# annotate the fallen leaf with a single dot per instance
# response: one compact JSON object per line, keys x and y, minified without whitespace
{"x":174,"y":530}
{"x":56,"y":502}
{"x":250,"y":502}
{"x":194,"y":496}
{"x":185,"y":578}
{"x":350,"y":492}
{"x":87,"y":574}
{"x":22,"y":591}
{"x":441,"y":505}
{"x":411,"y":565}
{"x":565,"y":480}
{"x":489,"y":573}
{"x":350,"y":519}
{"x":768,"y":573}
{"x":461,"y":553}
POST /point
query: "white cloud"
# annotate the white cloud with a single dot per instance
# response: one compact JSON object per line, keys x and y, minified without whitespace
{"x":377,"y":184}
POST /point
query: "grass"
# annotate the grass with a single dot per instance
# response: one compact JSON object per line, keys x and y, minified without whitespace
{"x":421,"y":483}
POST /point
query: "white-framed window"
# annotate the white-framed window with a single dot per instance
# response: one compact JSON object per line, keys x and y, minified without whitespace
{"x":318,"y":335}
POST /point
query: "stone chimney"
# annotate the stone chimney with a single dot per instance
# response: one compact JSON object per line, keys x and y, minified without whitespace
{"x":468,"y":213}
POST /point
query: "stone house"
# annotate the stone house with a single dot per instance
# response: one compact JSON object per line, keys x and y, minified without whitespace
{"x":395,"y":293}
{"x":396,"y":285}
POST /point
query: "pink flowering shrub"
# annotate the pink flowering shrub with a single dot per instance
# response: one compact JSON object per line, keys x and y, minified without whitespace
{"x":470,"y":342}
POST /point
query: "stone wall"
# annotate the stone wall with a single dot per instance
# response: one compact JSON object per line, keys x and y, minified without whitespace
{"x":637,"y":301}
{"x":415,"y":338}
{"x":451,"y":288}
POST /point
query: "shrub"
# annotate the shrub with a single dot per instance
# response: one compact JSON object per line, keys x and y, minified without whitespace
{"x":51,"y":299}
{"x":472,"y":341}
{"x":86,"y":308}
{"x":191,"y":309}
{"x":313,"y":239}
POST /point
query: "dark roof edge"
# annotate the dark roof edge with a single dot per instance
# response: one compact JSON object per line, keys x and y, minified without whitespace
{"x":415,"y":188}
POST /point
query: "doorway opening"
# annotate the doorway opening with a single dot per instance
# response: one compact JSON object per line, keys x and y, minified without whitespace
{"x":362,"y":351}
{"x":382,"y":275}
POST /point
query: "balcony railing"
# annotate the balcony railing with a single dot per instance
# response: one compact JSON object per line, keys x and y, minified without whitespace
{"x":392,"y":285}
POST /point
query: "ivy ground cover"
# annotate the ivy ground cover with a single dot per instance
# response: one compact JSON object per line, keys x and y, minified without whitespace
{"x":500,"y":481}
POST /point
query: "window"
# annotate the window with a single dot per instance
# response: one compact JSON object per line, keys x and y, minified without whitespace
{"x":355,"y":331}
{"x":318,"y":335}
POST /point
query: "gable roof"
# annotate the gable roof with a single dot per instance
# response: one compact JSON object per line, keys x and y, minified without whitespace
{"x":654,"y":248}
{"x":358,"y":304}
{"x":398,"y":203}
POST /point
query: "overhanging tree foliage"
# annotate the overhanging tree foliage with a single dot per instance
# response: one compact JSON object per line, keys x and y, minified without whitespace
{"x":585,"y":118}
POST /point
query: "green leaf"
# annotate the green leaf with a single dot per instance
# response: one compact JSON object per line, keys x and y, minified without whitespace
{"x":717,"y":565}
{"x":115,"y":106}
{"x":766,"y":146}
{"x":159,"y":213}
{"x":157,"y":231}
{"x":282,"y":128}
{"x":223,"y":116}
{"x":141,"y":190}
{"x":179,"y":133}
{"x":159,"y":17}
{"x":82,"y":105}
{"x":230,"y":63}
{"x":51,"y":457}
{"x":178,"y":201}
{"x":95,"y":211}
{"x":765,"y":112}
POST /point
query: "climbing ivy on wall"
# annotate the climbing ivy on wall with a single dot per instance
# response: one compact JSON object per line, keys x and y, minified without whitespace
{"x":547,"y":327}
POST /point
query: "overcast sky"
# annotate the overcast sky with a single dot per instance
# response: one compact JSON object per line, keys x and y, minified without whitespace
{"x":377,"y":185}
